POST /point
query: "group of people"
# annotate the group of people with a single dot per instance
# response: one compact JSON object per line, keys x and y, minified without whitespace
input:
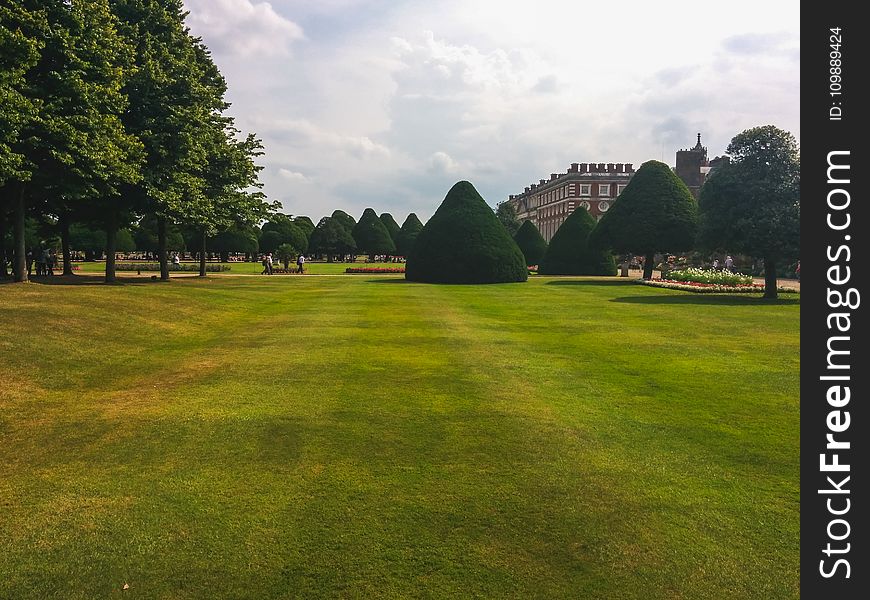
{"x":46,"y":262}
{"x":729,"y":264}
{"x":268,"y":269}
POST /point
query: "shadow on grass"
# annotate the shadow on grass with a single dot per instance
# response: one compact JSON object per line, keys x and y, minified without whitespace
{"x":706,"y":299}
{"x":96,"y":279}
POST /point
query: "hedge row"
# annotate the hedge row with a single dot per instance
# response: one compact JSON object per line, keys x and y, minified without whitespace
{"x":210,"y":268}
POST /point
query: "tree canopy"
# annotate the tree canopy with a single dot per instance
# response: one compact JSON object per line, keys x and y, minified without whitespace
{"x":654,"y":213}
{"x":331,"y":238}
{"x":371,"y":235}
{"x":283,"y":229}
{"x":464,"y":242}
{"x":751,"y":205}
{"x":344,"y":219}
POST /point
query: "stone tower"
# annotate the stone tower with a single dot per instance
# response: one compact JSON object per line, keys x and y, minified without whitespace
{"x":691,"y":166}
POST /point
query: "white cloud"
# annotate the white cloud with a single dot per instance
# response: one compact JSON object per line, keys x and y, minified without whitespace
{"x":442,"y":163}
{"x":243,"y":27}
{"x":292,"y":175}
{"x":387,"y":104}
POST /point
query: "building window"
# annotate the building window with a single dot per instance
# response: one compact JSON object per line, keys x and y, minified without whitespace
{"x":585,"y":205}
{"x":619,"y":189}
{"x":603,"y":205}
{"x":603,"y":189}
{"x":585,"y":189}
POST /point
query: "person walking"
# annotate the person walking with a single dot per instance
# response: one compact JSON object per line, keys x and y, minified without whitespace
{"x":729,"y":264}
{"x":716,"y":265}
{"x":797,"y":270}
{"x":269,"y":263}
{"x":300,"y":263}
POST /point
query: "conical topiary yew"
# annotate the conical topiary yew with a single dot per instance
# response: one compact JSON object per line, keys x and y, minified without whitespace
{"x":371,"y":236}
{"x":411,"y":228}
{"x":532,"y":244}
{"x":654,"y":213}
{"x":570,"y":253}
{"x":464,"y":242}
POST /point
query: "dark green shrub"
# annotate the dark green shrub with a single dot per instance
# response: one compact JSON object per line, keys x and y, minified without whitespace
{"x":570,"y":252}
{"x":464,"y":242}
{"x":371,"y":235}
{"x":654,"y":213}
{"x":391,"y":225}
{"x":411,"y":228}
{"x":532,"y":244}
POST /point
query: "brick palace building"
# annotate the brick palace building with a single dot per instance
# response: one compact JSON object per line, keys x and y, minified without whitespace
{"x":595,"y":187}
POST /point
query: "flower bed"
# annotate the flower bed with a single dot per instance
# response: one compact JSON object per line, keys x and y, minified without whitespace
{"x":709,"y":276}
{"x":698,"y":287}
{"x":375,"y":270}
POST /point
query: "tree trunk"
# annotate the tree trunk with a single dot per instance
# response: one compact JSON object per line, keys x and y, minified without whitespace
{"x":3,"y":272}
{"x":19,"y":262}
{"x":202,"y":256}
{"x":770,"y":278}
{"x":648,"y":264}
{"x":162,"y":257}
{"x":111,"y":244}
{"x":63,"y":224}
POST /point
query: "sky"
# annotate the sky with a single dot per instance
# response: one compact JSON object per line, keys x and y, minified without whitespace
{"x":387,"y":103}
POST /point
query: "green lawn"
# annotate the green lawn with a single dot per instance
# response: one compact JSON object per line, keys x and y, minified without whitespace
{"x":360,"y":437}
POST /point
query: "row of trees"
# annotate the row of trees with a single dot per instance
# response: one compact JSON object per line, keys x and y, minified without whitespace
{"x":749,"y":205}
{"x":114,"y":112}
{"x":340,"y":235}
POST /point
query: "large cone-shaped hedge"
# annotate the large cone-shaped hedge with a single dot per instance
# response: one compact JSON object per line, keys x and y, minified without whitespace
{"x":570,"y":253}
{"x":532,"y":244}
{"x":371,"y":235}
{"x":464,"y":242}
{"x":411,"y":228}
{"x":391,"y":225}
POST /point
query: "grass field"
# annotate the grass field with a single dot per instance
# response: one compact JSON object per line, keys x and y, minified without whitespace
{"x":364,"y":437}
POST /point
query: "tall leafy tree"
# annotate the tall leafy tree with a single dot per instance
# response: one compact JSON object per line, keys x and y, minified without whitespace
{"x":331,"y":238}
{"x":283,"y":229}
{"x":655,"y":213}
{"x":74,"y":149}
{"x":752,"y":204}
{"x":411,"y":228}
{"x":372,"y":236}
{"x":305,"y":224}
{"x":21,"y":41}
{"x":174,"y":95}
{"x":231,"y":196}
{"x":234,"y":239}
